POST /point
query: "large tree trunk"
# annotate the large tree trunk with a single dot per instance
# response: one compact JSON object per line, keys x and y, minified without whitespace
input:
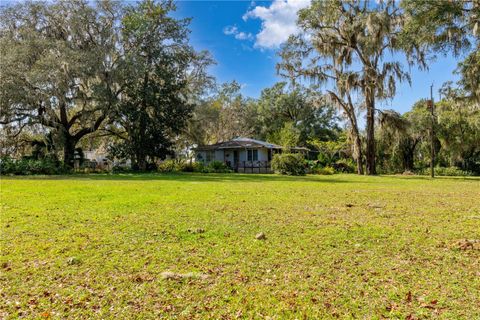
{"x":69,"y":151}
{"x":408,"y":160}
{"x":357,"y":145}
{"x":409,"y":154}
{"x":358,"y":152}
{"x":71,"y":140}
{"x":357,"y":142}
{"x":142,"y":163}
{"x":370,"y":152}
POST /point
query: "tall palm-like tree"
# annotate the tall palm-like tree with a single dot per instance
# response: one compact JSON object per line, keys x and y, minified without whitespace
{"x":352,"y":47}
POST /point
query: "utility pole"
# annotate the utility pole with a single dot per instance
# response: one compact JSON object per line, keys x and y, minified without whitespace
{"x":432,"y":134}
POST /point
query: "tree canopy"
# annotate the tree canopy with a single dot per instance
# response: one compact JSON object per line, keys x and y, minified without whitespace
{"x":58,"y":68}
{"x":351,"y":46}
{"x":71,"y":68}
{"x":124,"y":77}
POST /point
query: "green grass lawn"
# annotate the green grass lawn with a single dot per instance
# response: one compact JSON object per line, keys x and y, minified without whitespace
{"x":184,"y":246}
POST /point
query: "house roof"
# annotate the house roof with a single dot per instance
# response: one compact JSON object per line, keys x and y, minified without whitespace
{"x":243,"y":143}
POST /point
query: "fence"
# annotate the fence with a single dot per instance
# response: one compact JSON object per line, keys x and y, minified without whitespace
{"x":253,"y":167}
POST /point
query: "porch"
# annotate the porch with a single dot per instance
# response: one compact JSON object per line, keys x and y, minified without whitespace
{"x":242,"y":155}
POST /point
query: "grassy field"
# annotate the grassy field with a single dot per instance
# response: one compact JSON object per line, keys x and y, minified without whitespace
{"x":184,"y":246}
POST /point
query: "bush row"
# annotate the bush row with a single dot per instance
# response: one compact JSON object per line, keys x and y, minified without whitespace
{"x":184,"y":166}
{"x":295,"y":164}
{"x":449,"y":171}
{"x":27,"y":166}
{"x":286,"y":163}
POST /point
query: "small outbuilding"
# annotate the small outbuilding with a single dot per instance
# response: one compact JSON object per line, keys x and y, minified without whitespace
{"x":243,"y":155}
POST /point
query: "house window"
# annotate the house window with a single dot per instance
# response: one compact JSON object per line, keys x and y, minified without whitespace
{"x":210,"y":155}
{"x":252,"y":155}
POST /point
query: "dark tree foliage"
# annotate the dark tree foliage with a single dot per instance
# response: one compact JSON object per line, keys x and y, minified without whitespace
{"x":58,"y":68}
{"x":404,"y":140}
{"x":72,"y":68}
{"x":305,"y":108}
{"x":352,"y":45}
{"x":448,"y":26}
{"x":157,"y":99}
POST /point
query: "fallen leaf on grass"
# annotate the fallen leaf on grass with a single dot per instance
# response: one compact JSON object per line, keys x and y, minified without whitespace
{"x":6,"y":266}
{"x":376,"y":206}
{"x":408,"y":298}
{"x":432,"y":305}
{"x":196,"y":230}
{"x":466,"y":244}
{"x":391,"y":306}
{"x":168,"y":308}
{"x":167,"y":275}
{"x":140,"y":278}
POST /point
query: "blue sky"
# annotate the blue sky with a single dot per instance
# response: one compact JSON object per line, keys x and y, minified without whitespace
{"x":243,"y":37}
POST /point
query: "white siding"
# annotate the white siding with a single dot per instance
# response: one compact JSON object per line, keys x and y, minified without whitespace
{"x":93,"y":155}
{"x":228,"y":156}
{"x":219,"y":155}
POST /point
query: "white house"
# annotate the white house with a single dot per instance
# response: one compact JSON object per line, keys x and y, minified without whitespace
{"x":242,"y":154}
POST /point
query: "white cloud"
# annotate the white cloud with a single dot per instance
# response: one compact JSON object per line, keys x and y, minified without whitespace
{"x":239,"y":35}
{"x":278,"y":21}
{"x":229,"y":30}
{"x":244,"y":36}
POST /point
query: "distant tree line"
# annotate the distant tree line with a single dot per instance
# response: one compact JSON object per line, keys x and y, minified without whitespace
{"x":78,"y":75}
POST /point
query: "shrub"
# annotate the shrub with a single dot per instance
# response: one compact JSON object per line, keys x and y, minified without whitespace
{"x":449,"y":171}
{"x":292,"y":164}
{"x":345,"y":166}
{"x":181,"y":166}
{"x":216,"y":167}
{"x":324,"y":159}
{"x":7,"y":165}
{"x":170,"y":166}
{"x":31,"y":166}
{"x":121,"y":169}
{"x":198,"y":166}
{"x":189,"y":167}
{"x":324,"y":171}
{"x":312,"y":164}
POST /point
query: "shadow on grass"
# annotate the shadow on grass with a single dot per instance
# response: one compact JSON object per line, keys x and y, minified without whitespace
{"x":238,"y":177}
{"x":437,"y":178}
{"x":195,"y":177}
